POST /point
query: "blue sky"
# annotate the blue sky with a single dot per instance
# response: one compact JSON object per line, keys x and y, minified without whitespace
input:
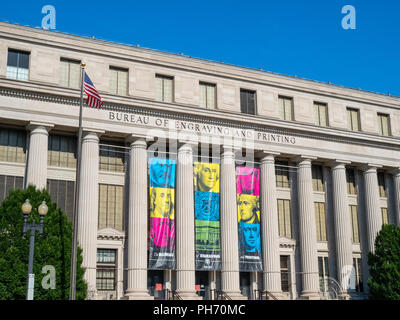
{"x":303,"y":38}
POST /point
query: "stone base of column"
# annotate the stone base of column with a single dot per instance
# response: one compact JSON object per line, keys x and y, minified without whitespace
{"x":189,"y":295}
{"x":310,"y":296}
{"x":137,"y":295}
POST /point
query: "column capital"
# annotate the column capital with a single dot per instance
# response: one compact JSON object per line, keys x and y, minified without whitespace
{"x":32,"y":125}
{"x":89,"y":135}
{"x":369,"y":167}
{"x":187,"y":143}
{"x":266,"y":155}
{"x":304,"y":159}
{"x":138,"y":139}
{"x":338,"y":164}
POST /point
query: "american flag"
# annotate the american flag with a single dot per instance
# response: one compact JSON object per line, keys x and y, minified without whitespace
{"x":93,"y":99}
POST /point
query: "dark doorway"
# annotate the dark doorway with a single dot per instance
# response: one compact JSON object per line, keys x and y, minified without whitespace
{"x":202,"y":284}
{"x":155,"y":283}
{"x":245,"y":284}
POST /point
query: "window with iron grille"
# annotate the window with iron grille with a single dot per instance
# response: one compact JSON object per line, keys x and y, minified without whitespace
{"x":357,"y":264}
{"x":320,"y":220}
{"x":12,"y":145}
{"x":382,"y":185}
{"x":320,"y":114}
{"x":112,"y":157}
{"x":351,"y":181}
{"x":61,"y":151}
{"x":106,"y":269}
{"x":70,"y":73}
{"x":17,"y":65}
{"x":284,"y":260}
{"x":353,"y":119}
{"x":354,"y":224}
{"x":383,"y":124}
{"x":8,"y":183}
{"x":282,"y":174}
{"x":110,"y":206}
{"x":63,"y":194}
{"x":285,"y":108}
{"x":317,"y":178}
{"x":207,"y":95}
{"x":164,"y":88}
{"x":119,"y":81}
{"x":247,"y":101}
{"x":284,"y":218}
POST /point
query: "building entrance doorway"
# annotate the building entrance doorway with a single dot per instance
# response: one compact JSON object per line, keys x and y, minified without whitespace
{"x":202,"y":284}
{"x":155,"y":283}
{"x":245,"y":284}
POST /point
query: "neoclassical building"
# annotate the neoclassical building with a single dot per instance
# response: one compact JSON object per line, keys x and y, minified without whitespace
{"x":324,"y":158}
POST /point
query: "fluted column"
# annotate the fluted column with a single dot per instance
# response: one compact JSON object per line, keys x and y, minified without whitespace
{"x":372,"y":209}
{"x":185,"y":239}
{"x":229,"y":226}
{"x":36,"y":173}
{"x":396,"y":183}
{"x":88,"y":206}
{"x":341,"y":216}
{"x":137,"y":221}
{"x":269,"y":225}
{"x":307,"y":229}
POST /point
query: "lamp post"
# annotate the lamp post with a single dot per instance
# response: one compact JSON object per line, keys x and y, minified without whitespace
{"x":32,"y":227}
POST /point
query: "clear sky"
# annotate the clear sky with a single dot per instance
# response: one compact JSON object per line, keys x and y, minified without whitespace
{"x":291,"y":37}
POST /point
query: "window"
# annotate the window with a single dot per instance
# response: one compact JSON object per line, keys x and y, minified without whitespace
{"x":12,"y":145}
{"x":164,"y":88}
{"x":247,"y":101}
{"x":17,"y":65}
{"x":70,"y":73}
{"x":351,"y":181}
{"x":320,"y":220}
{"x":323,"y":270}
{"x":110,"y":206}
{"x":357,"y":264}
{"x":354,"y":224}
{"x":119,"y":81}
{"x":282,"y":174}
{"x":61,"y":151}
{"x":353,"y":119}
{"x":320,"y":114}
{"x":383,"y":124}
{"x":385,"y":216}
{"x":207,"y":95}
{"x":318,"y":181}
{"x":284,"y":273}
{"x":382,"y":185}
{"x":62,"y":193}
{"x":106,"y":269}
{"x":285,"y":228}
{"x":285,"y":108}
{"x":112,"y":157}
{"x":8,"y":183}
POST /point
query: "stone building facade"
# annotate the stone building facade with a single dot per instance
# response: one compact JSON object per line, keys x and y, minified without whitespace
{"x":328,"y":158}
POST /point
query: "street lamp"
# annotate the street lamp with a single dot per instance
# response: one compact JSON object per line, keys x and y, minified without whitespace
{"x":32,"y":227}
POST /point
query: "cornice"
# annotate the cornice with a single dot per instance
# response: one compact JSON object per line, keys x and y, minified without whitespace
{"x":187,"y":113}
{"x":191,"y":64}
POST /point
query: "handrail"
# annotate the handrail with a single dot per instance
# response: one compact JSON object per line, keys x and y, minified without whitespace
{"x":267,"y":294}
{"x":173,"y":295}
{"x":223,"y":295}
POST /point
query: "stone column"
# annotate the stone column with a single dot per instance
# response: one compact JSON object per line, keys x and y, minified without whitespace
{"x":396,"y":184}
{"x":307,"y":230}
{"x":184,"y":210}
{"x":137,"y":221}
{"x":36,"y":173}
{"x":269,"y":225}
{"x":341,"y":216}
{"x":229,"y":226}
{"x":88,"y":206}
{"x":373,"y":215}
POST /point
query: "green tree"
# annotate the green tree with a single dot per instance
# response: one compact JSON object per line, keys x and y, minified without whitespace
{"x":384,"y":264}
{"x":53,"y":248}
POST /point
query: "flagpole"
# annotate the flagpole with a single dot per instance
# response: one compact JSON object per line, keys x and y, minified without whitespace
{"x":72,"y":289}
